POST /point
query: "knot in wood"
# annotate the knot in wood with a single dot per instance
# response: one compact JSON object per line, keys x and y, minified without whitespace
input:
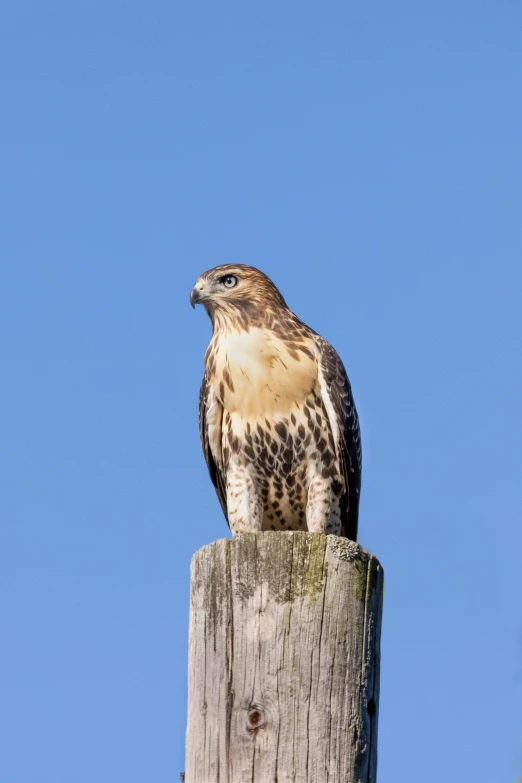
{"x":255,"y":718}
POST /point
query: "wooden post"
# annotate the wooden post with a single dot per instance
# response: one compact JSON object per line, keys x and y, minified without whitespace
{"x":283,"y":661}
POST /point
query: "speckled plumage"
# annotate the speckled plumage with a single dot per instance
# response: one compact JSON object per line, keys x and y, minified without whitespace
{"x":278,"y":424}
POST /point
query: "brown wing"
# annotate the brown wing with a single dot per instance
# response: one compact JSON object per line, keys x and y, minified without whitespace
{"x":337,"y":396}
{"x":210,"y":416}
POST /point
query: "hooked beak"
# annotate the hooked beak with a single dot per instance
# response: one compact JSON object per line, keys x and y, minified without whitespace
{"x":195,"y":296}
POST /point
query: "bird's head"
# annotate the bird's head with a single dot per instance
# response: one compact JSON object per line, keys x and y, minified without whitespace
{"x":236,"y":294}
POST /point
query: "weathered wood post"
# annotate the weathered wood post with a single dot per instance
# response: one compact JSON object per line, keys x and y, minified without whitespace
{"x":283,"y":661}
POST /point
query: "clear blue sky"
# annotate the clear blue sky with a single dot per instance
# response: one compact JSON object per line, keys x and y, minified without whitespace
{"x":368,"y":158}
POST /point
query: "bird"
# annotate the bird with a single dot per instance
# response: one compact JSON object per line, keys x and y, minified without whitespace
{"x":278,"y":424}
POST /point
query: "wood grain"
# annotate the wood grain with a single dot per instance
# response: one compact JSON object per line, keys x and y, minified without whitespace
{"x":284,"y":651}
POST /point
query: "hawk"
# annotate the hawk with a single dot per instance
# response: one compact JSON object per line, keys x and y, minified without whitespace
{"x":278,"y":424}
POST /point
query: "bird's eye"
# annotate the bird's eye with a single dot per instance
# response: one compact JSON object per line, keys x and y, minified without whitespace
{"x":229,"y":281}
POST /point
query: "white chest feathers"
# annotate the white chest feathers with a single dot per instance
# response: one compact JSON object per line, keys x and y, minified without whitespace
{"x":258,"y":373}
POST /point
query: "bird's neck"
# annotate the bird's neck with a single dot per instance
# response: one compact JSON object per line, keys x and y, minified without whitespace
{"x":279,"y":320}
